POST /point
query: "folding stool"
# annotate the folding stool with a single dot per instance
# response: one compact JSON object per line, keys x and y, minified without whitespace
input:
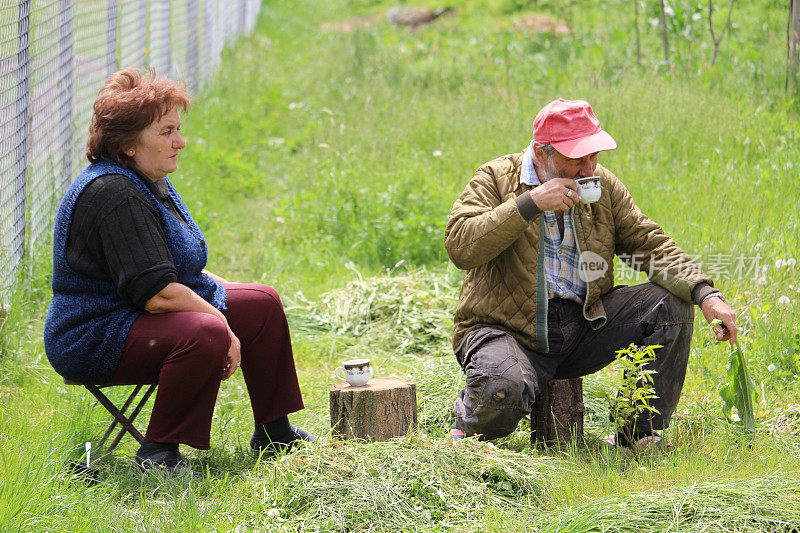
{"x":126,"y":421}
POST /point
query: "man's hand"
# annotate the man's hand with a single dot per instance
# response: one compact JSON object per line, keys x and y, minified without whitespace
{"x":234,"y":357}
{"x":715,"y":307}
{"x":558,"y":194}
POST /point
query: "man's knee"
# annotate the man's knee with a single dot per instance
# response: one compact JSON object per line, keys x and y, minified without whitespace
{"x":668,"y":308}
{"x":492,"y":391}
{"x":490,"y":406}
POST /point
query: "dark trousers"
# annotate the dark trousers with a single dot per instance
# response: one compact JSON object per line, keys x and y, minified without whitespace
{"x":185,"y":353}
{"x":504,"y":378}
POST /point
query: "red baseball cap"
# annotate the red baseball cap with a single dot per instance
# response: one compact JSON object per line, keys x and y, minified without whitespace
{"x":572,"y":128}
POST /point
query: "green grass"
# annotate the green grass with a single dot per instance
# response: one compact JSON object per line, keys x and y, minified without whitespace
{"x":313,"y":165}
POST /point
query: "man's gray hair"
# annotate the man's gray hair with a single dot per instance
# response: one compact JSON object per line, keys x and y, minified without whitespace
{"x":547,"y":149}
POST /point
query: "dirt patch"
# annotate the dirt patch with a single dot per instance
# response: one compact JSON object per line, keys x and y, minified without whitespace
{"x":544,"y":24}
{"x":414,"y":17}
{"x":350,"y":25}
{"x":787,"y":422}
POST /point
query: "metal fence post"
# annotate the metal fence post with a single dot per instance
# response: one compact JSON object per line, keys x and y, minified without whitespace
{"x":142,"y":31}
{"x":209,"y":35}
{"x":168,"y":72}
{"x":159,"y":56}
{"x":192,"y":32}
{"x":66,"y":70}
{"x":111,"y":37}
{"x":21,"y":149}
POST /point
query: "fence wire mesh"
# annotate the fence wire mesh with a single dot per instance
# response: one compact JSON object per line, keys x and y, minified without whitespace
{"x":54,"y":57}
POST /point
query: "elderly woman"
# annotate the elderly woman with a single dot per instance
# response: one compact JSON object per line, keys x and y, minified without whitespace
{"x":132,"y":301}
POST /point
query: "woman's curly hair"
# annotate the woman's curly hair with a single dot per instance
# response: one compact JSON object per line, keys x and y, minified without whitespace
{"x":128,"y":103}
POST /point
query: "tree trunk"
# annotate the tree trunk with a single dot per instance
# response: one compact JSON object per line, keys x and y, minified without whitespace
{"x":557,"y":415}
{"x":381,"y":409}
{"x":638,"y":37}
{"x":664,"y":35}
{"x":717,"y":40}
{"x":792,"y":43}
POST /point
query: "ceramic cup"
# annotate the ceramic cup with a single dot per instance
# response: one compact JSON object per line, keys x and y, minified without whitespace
{"x":356,"y":372}
{"x":589,"y":189}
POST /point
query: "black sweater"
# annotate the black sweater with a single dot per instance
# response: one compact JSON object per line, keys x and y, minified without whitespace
{"x":116,"y":235}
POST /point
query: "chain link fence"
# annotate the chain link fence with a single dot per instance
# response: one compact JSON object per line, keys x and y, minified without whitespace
{"x":54,"y":57}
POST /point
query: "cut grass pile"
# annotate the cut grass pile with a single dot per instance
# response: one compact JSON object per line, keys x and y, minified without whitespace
{"x":411,"y":312}
{"x":768,"y":504}
{"x":401,"y":484}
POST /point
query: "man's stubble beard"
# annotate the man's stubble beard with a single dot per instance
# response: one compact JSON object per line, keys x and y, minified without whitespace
{"x":550,"y":171}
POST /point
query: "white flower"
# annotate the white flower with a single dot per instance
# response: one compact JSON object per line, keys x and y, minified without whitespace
{"x":791,"y":262}
{"x":762,"y":279}
{"x":668,"y":11}
{"x":280,"y":220}
{"x":696,"y":16}
{"x":780,"y":263}
{"x":771,"y":368}
{"x":437,"y":153}
{"x":784,"y":300}
{"x":274,"y":512}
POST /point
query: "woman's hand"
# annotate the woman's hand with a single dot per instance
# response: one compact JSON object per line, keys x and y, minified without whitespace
{"x":234,"y":357}
{"x":177,"y":297}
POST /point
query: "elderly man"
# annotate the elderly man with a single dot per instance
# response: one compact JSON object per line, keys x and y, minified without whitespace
{"x":539,"y":300}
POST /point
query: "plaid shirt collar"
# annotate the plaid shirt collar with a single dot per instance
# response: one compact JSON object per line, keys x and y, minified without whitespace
{"x":562,"y":266}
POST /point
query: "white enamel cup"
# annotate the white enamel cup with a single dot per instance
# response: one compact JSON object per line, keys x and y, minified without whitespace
{"x":589,"y":189}
{"x":356,"y":372}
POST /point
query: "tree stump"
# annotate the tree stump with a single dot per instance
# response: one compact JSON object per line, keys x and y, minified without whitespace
{"x":381,"y":409}
{"x":557,"y":415}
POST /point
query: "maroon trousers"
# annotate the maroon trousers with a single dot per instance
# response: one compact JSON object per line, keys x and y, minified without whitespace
{"x":185,"y":353}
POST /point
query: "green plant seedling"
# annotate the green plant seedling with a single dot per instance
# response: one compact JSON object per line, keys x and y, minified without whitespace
{"x":635,"y":388}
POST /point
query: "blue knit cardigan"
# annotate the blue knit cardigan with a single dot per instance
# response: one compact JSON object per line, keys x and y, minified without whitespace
{"x":88,"y":322}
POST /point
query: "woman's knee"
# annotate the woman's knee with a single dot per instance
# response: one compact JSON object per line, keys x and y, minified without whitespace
{"x":270,"y":298}
{"x":209,"y":337}
{"x":259,"y":299}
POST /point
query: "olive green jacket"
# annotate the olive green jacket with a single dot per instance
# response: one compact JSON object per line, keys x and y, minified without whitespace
{"x":505,"y":286}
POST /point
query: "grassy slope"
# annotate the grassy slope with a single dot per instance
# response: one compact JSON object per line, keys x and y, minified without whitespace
{"x":312,"y":153}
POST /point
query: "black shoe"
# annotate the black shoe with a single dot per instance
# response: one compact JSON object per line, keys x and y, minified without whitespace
{"x":260,"y":442}
{"x":170,"y":462}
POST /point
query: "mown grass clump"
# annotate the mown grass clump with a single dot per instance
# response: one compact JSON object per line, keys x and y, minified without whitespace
{"x":412,"y":311}
{"x":401,"y":484}
{"x":768,"y":504}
